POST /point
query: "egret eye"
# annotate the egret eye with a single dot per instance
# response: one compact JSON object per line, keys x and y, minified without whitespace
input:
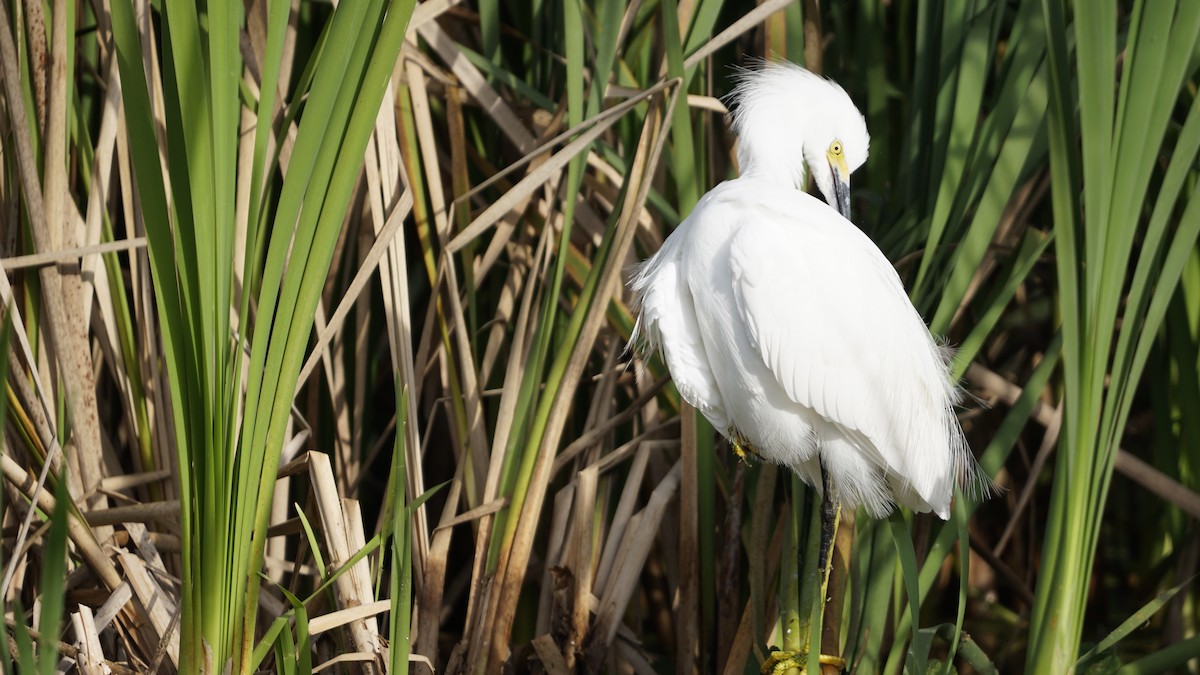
{"x":836,"y":148}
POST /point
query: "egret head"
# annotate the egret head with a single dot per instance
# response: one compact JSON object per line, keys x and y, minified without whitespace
{"x":786,"y":118}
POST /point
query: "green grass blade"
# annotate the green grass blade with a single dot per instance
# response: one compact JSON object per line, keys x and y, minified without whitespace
{"x":401,"y":547}
{"x":54,"y":579}
{"x":1033,"y":245}
{"x":907,"y":559}
{"x":1136,"y":620}
{"x":313,"y":543}
{"x":303,"y":640}
{"x":976,"y":59}
{"x":961,"y":514}
{"x":26,"y":662}
{"x":268,"y":641}
{"x":1166,"y":660}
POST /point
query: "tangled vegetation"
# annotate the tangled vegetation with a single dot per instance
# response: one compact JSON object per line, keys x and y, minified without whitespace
{"x":315,"y":347}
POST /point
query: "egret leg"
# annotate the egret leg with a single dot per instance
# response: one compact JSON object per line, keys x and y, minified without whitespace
{"x":780,"y":662}
{"x":831,"y":517}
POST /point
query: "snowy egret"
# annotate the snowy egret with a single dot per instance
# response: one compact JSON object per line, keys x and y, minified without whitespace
{"x":787,"y":327}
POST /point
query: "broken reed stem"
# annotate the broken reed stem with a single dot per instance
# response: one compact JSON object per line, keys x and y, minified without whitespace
{"x":63,"y":648}
{"x":82,"y":537}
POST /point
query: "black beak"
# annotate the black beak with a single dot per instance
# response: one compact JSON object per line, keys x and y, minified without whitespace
{"x":841,"y":194}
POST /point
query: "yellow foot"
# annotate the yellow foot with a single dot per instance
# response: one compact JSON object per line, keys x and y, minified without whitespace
{"x":742,"y":447}
{"x":780,"y":662}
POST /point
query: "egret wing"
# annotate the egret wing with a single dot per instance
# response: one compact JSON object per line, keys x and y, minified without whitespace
{"x":667,"y":320}
{"x":829,"y":317}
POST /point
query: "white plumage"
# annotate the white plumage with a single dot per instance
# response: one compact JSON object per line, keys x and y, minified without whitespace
{"x":784,"y":325}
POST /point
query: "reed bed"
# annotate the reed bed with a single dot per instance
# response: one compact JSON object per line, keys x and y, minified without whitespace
{"x":315,"y":338}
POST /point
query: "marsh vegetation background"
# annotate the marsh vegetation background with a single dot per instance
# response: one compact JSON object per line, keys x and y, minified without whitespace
{"x":316,"y":324}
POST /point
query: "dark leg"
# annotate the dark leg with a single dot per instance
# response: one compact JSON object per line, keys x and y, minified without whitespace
{"x":780,"y":662}
{"x":830,"y":515}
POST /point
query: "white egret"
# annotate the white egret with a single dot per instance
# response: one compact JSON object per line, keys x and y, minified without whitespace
{"x":787,"y":327}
